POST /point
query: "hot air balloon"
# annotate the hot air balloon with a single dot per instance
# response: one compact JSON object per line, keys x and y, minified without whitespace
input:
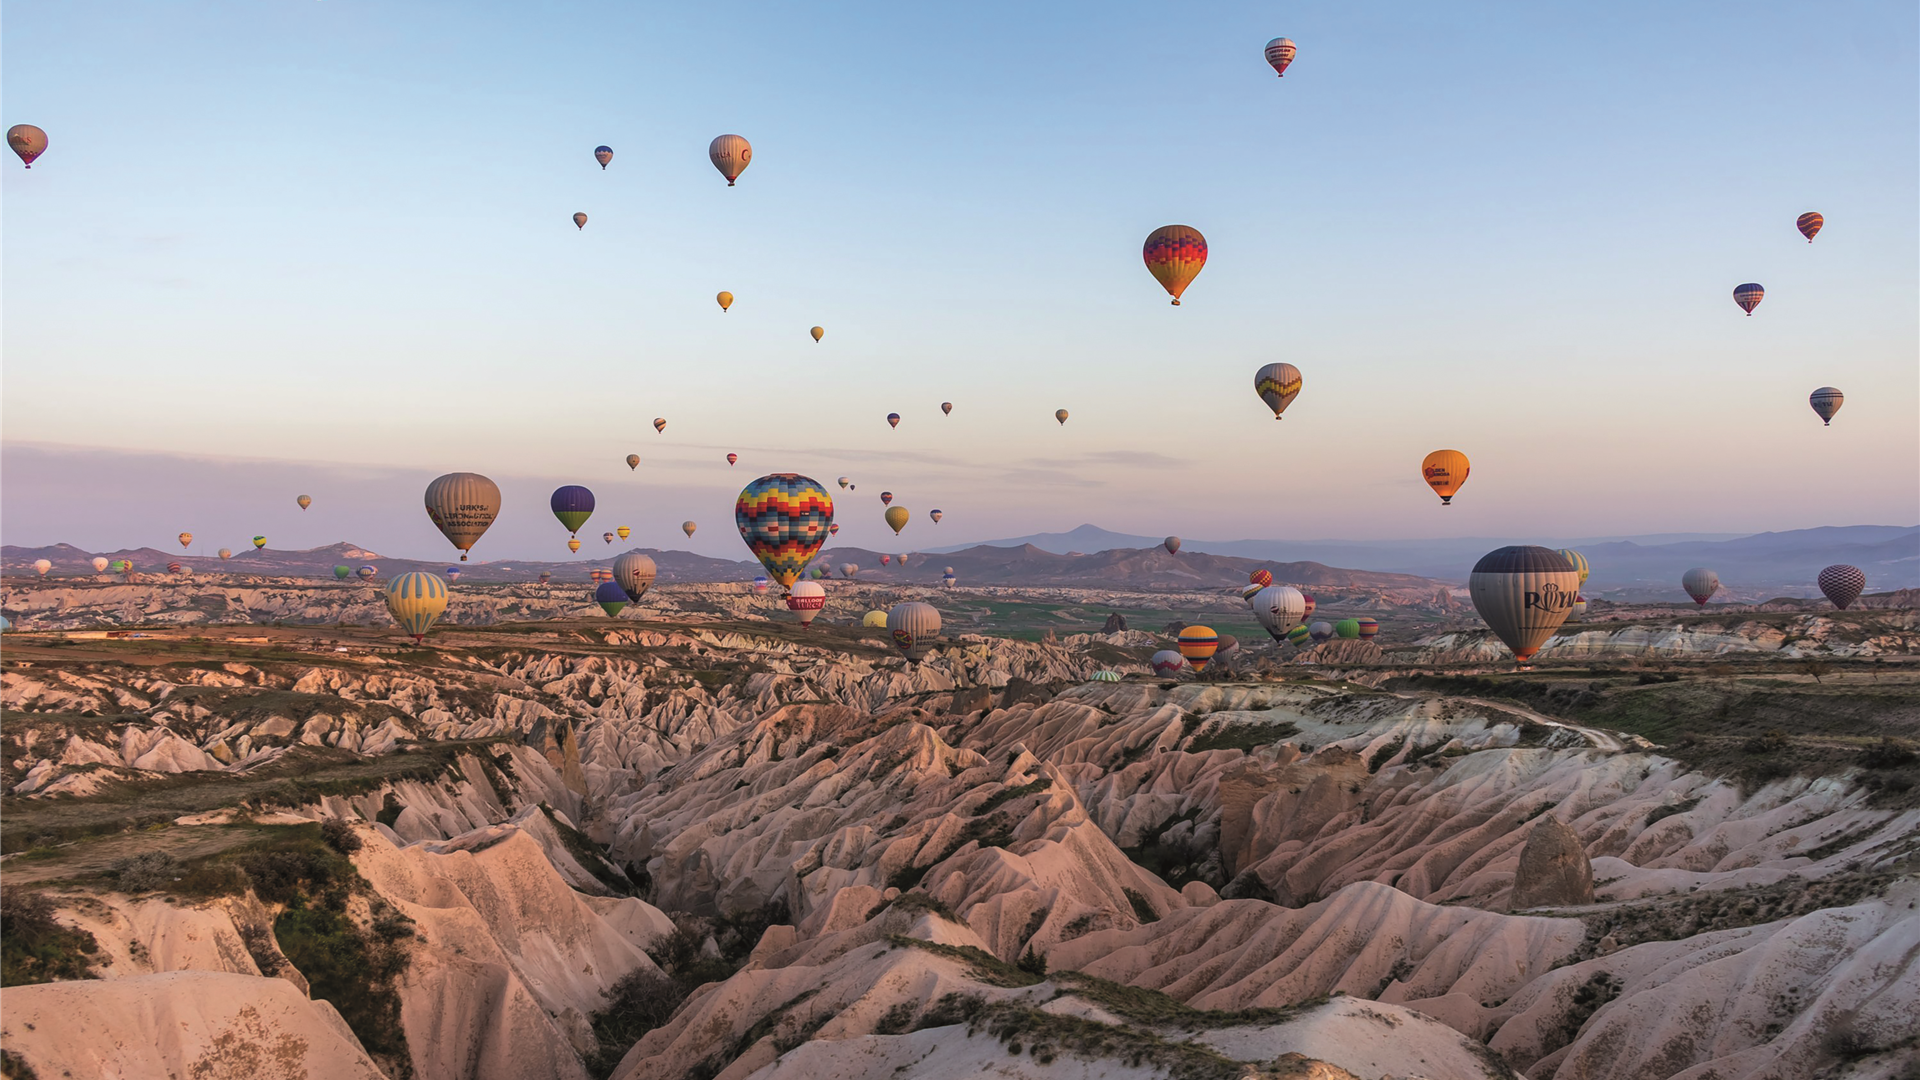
{"x":452,"y":574}
{"x":1298,"y":637}
{"x":1174,"y":255}
{"x":1842,"y":584}
{"x":573,"y":544}
{"x":1445,"y":471}
{"x":1280,"y":53}
{"x":1320,"y":631}
{"x":259,"y":542}
{"x":874,"y":618}
{"x":1369,"y":628}
{"x":27,"y":141}
{"x":660,"y":424}
{"x":760,"y":585}
{"x":1700,"y":583}
{"x":634,"y":572}
{"x":99,"y":564}
{"x":416,"y":600}
{"x":1748,"y":296}
{"x":1307,"y":597}
{"x":545,"y":576}
{"x":733,"y":459}
{"x":1060,"y":415}
{"x":603,"y":154}
{"x":1277,"y":385}
{"x":462,"y":506}
{"x":805,"y":599}
{"x":186,"y":539}
{"x":611,"y":597}
{"x":937,"y":515}
{"x":1172,"y":544}
{"x":1826,"y":401}
{"x":849,"y":570}
{"x":885,"y":559}
{"x":624,"y":531}
{"x":946,"y":407}
{"x":1278,"y":608}
{"x":368,"y":572}
{"x":886,"y":498}
{"x":1809,"y":224}
{"x":1250,"y":592}
{"x":226,"y":553}
{"x":1579,"y":607}
{"x":947,"y":579}
{"x":121,"y":566}
{"x":688,"y":527}
{"x":843,"y":481}
{"x":633,"y":461}
{"x":1347,"y":628}
{"x":1262,"y":577}
{"x":343,"y":572}
{"x":608,"y":537}
{"x":41,"y":566}
{"x":893,"y":419}
{"x":784,"y":518}
{"x":1524,"y":593}
{"x":834,"y":529}
{"x":1167,"y":662}
{"x":1106,"y":675}
{"x":1197,"y":646}
{"x":914,"y":627}
{"x":731,"y":154}
{"x":724,"y":299}
{"x":573,"y":505}
{"x":304,"y":501}
{"x":579,"y":221}
{"x":599,"y":574}
{"x":1579,"y":562}
{"x":896,"y":518}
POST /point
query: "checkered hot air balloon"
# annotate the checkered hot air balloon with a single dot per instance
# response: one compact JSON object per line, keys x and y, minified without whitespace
{"x":1842,"y":584}
{"x":1261,"y":577}
{"x":784,"y":519}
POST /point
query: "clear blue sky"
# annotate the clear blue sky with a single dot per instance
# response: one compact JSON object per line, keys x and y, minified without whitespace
{"x":324,"y":245}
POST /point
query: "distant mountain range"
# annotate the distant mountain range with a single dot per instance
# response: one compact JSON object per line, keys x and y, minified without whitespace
{"x":70,"y":561}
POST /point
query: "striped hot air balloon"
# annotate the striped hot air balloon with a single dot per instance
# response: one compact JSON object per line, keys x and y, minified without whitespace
{"x":1347,"y":628}
{"x":1298,"y":636}
{"x":1280,"y":53}
{"x":784,"y":519}
{"x":893,"y":419}
{"x":452,"y":574}
{"x":368,"y":572}
{"x":914,"y":627}
{"x":1174,"y":256}
{"x":1168,"y":662}
{"x":1826,"y":401}
{"x":175,"y":568}
{"x":1700,"y":583}
{"x":805,"y":599}
{"x":1106,"y":676}
{"x":1748,"y":296}
{"x":417,"y":600}
{"x":1579,"y":562}
{"x":186,"y":539}
{"x":259,"y":542}
{"x":634,"y":573}
{"x":573,"y":505}
{"x":1250,"y":591}
{"x":731,"y":154}
{"x":1524,"y":593}
{"x":1809,"y":224}
{"x":1369,"y":628}
{"x":624,"y":531}
{"x":733,"y":459}
{"x":761,"y":584}
{"x":947,"y":580}
{"x":1842,"y":584}
{"x":600,"y":574}
{"x":1277,"y":385}
{"x":611,"y":597}
{"x":1197,"y":646}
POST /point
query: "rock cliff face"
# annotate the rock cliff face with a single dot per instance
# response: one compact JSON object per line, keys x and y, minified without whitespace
{"x":1554,"y":870}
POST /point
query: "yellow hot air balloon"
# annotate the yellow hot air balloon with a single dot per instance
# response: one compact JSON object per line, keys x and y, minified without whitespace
{"x":725,"y":298}
{"x":897,"y":518}
{"x":818,"y":332}
{"x":1277,"y":385}
{"x":1060,"y":415}
{"x":624,"y":532}
{"x":573,"y":544}
{"x":186,"y":539}
{"x":1579,"y":562}
{"x":1174,"y":255}
{"x":416,"y":600}
{"x":1445,"y":471}
{"x":304,"y":501}
{"x":731,"y":154}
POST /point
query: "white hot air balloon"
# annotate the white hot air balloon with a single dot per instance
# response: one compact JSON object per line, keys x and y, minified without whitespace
{"x":41,"y":566}
{"x":805,"y":599}
{"x":1700,"y":583}
{"x":1524,"y":593}
{"x":1278,"y":609}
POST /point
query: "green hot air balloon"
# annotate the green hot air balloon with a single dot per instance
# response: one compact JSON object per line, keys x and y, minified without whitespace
{"x":1347,"y":628}
{"x":1299,"y":635}
{"x":343,"y":572}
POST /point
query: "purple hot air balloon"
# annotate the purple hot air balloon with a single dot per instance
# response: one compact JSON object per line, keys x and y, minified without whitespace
{"x":573,"y":505}
{"x":1842,"y":584}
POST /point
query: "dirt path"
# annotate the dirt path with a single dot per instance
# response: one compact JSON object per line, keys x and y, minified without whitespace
{"x":1603,"y":740}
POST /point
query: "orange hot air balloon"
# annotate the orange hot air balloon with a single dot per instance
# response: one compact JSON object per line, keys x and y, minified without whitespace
{"x":725,"y":299}
{"x":731,"y":154}
{"x":1809,"y":224}
{"x":818,"y":332}
{"x":185,"y":539}
{"x":1445,"y":471}
{"x":1174,"y":255}
{"x":1197,"y":646}
{"x":660,"y":424}
{"x":633,"y":461}
{"x":573,"y":544}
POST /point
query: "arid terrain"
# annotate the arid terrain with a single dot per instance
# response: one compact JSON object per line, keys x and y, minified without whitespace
{"x":250,"y":830}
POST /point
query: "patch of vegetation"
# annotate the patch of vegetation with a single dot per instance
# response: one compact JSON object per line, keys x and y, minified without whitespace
{"x":637,"y":1004}
{"x":1047,"y":1035}
{"x":1143,"y":1006}
{"x":1034,"y":963}
{"x":36,"y":948}
{"x":1245,"y":737}
{"x":982,"y":965}
{"x":1142,"y":907}
{"x":1590,"y":998}
{"x":1676,"y":918}
{"x":952,"y":1008}
{"x":1181,"y":859}
{"x":1006,"y":795}
{"x":1385,"y":754}
{"x":1660,"y":812}
{"x":926,"y":902}
{"x":13,"y":1067}
{"x":589,"y":855}
{"x":897,"y":1020}
{"x":354,"y":969}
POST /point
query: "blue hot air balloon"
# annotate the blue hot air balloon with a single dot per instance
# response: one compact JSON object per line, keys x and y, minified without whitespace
{"x":603,"y":154}
{"x":573,"y":505}
{"x":611,"y":597}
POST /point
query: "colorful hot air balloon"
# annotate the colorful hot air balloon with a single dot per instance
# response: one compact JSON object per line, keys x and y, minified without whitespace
{"x":842,"y":481}
{"x":761,"y":585}
{"x":688,"y":527}
{"x":937,"y":515}
{"x":914,"y":627}
{"x":784,"y":518}
{"x":1280,"y":53}
{"x":611,"y":597}
{"x":893,"y":419}
{"x":573,"y":544}
{"x":1278,"y":608}
{"x":452,"y":574}
{"x":342,"y":573}
{"x":1277,"y":385}
{"x":226,"y":553}
{"x":1167,"y":662}
{"x":1579,"y":562}
{"x":304,"y":501}
{"x":660,"y":424}
{"x":947,"y":580}
{"x":99,"y":564}
{"x":579,"y":221}
{"x":603,"y":154}
{"x":946,"y":407}
{"x":545,"y":576}
{"x":896,"y":518}
{"x":633,"y":461}
{"x":416,"y":600}
{"x":818,"y":332}
{"x":462,"y":506}
{"x":1250,"y":592}
{"x":1842,"y":584}
{"x":1298,"y":637}
{"x":886,"y":498}
{"x":1809,"y":224}
{"x":27,"y":141}
{"x":1579,"y":608}
{"x":731,"y":154}
{"x":1748,"y":296}
{"x":1262,"y":577}
{"x":1700,"y":583}
{"x":1347,"y":628}
{"x":1320,"y":631}
{"x":1369,"y":628}
{"x":624,"y":531}
{"x":259,"y":542}
{"x":1826,"y":401}
{"x":1197,"y":646}
{"x":41,"y":566}
{"x":1060,"y":415}
{"x":573,"y":505}
{"x":834,"y":529}
{"x":368,"y":572}
{"x":634,"y":572}
{"x":1172,"y":544}
{"x":874,"y":618}
{"x":608,"y":537}
{"x":724,"y":299}
{"x":121,"y":566}
{"x":1524,"y":593}
{"x":1445,"y":471}
{"x":599,"y":574}
{"x":733,"y":459}
{"x":186,"y":539}
{"x":1311,"y":603}
{"x":1106,"y":675}
{"x":805,"y":599}
{"x":885,"y":559}
{"x":1174,"y":255}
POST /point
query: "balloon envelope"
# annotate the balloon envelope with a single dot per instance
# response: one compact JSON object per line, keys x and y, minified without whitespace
{"x":259,"y":542}
{"x":1298,"y":636}
{"x":304,"y":501}
{"x":1277,"y":385}
{"x":893,"y":419}
{"x":937,"y":515}
{"x":417,"y":600}
{"x":1444,"y":472}
{"x":186,"y":539}
{"x":874,"y":618}
{"x":1523,"y":592}
{"x":761,"y":584}
{"x":733,"y":459}
{"x":914,"y":627}
{"x":1278,"y":609}
{"x":805,"y":599}
{"x":886,"y":498}
{"x":818,"y":332}
{"x":896,"y":518}
{"x":452,"y":573}
{"x":462,"y":506}
{"x":573,"y":505}
{"x":41,"y":566}
{"x":610,"y":596}
{"x":688,"y":527}
{"x":1172,"y":544}
{"x":1197,"y":646}
{"x":1280,"y":53}
{"x":1748,"y":296}
{"x":100,"y":564}
{"x":1809,"y":224}
{"x":784,"y":518}
{"x":1174,"y":256}
{"x":724,"y":299}
{"x":1826,"y":401}
{"x":1261,"y":577}
{"x":660,"y":424}
{"x":1842,"y":584}
{"x":27,"y":141}
{"x":634,"y":572}
{"x":603,"y":154}
{"x":1320,"y":631}
{"x":946,"y":407}
{"x":633,"y":461}
{"x":624,"y":532}
{"x":579,"y":221}
{"x":226,"y":553}
{"x":1060,"y":415}
{"x":1167,"y":662}
{"x":1579,"y":562}
{"x":368,"y":573}
{"x":608,"y":537}
{"x":1347,"y":628}
{"x":731,"y":154}
{"x":1368,"y":628}
{"x":343,"y":572}
{"x":1700,"y":583}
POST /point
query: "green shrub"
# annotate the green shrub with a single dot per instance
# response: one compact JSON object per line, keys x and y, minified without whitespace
{"x":637,"y":1004}
{"x":34,"y":948}
{"x":146,"y":872}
